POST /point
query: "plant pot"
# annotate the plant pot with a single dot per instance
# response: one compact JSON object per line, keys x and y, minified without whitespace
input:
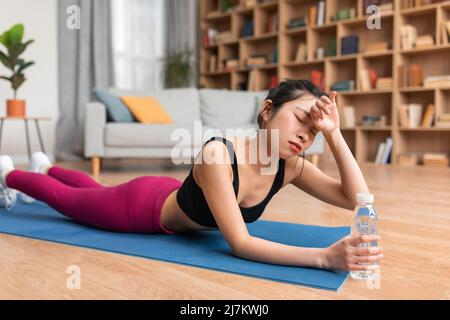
{"x":15,"y":108}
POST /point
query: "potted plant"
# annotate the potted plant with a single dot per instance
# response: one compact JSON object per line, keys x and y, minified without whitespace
{"x":177,"y":70}
{"x":12,"y":41}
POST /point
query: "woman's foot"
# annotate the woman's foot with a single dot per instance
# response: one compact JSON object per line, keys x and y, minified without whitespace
{"x":39,"y":163}
{"x":8,"y":197}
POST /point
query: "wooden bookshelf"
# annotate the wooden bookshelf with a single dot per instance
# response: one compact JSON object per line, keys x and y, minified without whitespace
{"x":362,"y":140}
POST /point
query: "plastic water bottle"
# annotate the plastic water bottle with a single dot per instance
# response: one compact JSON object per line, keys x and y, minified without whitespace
{"x":365,"y":222}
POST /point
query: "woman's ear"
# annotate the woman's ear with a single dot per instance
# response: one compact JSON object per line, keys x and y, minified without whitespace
{"x":266,"y":109}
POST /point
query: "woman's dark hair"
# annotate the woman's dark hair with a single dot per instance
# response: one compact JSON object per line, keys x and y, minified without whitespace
{"x":289,"y":90}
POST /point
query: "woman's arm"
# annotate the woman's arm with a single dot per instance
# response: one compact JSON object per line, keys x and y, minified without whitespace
{"x":352,"y":179}
{"x":326,"y":118}
{"x":215,"y":180}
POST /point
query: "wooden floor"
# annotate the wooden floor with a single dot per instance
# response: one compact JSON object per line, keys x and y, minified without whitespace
{"x":414,"y":211}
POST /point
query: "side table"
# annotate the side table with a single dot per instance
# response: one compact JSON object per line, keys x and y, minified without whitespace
{"x":27,"y":135}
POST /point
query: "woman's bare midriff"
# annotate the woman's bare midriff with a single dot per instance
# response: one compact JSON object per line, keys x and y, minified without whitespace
{"x":173,"y":218}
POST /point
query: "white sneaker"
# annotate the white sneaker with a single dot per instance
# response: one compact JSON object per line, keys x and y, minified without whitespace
{"x":8,"y":196}
{"x":38,"y":163}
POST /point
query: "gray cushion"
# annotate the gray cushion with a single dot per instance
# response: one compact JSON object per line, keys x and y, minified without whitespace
{"x":182,"y":104}
{"x":116,"y":109}
{"x":221,"y":107}
{"x":147,"y":135}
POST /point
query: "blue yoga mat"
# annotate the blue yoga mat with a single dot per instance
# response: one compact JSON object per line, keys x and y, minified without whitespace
{"x":205,"y":249}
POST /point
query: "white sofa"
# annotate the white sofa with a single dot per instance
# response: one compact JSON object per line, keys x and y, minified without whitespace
{"x":197,"y":113}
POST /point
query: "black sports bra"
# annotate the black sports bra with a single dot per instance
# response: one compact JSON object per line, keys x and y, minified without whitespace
{"x":191,"y":200}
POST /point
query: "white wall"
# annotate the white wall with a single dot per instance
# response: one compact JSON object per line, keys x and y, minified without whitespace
{"x":41,"y":88}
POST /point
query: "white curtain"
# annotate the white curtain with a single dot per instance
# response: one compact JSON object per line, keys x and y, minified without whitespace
{"x":138,"y":43}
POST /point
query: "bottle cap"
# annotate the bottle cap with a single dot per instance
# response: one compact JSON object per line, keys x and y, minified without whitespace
{"x":364,"y":197}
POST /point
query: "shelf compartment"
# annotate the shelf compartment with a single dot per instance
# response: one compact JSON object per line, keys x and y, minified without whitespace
{"x":340,"y":70}
{"x":420,"y":141}
{"x":379,"y":104}
{"x":367,"y":144}
{"x":321,"y":38}
{"x":263,"y":14}
{"x":266,"y":48}
{"x":218,"y":81}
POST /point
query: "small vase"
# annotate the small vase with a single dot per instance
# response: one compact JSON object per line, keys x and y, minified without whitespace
{"x":15,"y":108}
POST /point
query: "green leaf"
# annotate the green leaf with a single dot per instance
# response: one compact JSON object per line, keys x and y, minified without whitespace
{"x":4,"y":39}
{"x":16,"y":33}
{"x":17,"y":81}
{"x":6,"y":61}
{"x":24,"y":65}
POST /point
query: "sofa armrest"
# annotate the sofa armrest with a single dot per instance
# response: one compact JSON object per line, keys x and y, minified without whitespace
{"x":95,"y":122}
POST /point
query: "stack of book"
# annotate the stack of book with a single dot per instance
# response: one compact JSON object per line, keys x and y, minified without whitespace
{"x":409,"y":159}
{"x":349,"y":120}
{"x":300,"y":55}
{"x":435,"y":159}
{"x":346,"y":85}
{"x":342,"y":14}
{"x":408,"y":34}
{"x":443,"y":121}
{"x":424,"y":41}
{"x":223,"y":36}
{"x":384,"y":83}
{"x":349,"y":44}
{"x":231,"y":63}
{"x":377,"y":121}
{"x":297,"y":22}
{"x":384,"y":151}
{"x":256,"y":60}
{"x":247,"y":31}
{"x":382,"y":7}
{"x":437,"y":81}
{"x":377,"y":46}
{"x":317,"y":79}
{"x":272,"y":23}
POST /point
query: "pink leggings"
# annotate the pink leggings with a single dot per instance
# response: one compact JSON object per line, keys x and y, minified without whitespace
{"x":133,"y":207}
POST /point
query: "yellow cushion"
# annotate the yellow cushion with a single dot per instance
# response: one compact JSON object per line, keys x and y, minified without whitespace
{"x":147,"y":109}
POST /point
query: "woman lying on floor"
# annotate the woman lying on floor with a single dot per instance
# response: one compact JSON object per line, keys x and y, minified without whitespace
{"x":216,"y":194}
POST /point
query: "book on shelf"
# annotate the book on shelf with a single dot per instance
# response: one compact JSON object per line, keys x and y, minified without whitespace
{"x":435,"y":159}
{"x":349,"y":116}
{"x":247,"y":30}
{"x":349,"y":44}
{"x":437,"y":81}
{"x":252,"y":80}
{"x":427,"y":120}
{"x":415,"y":75}
{"x":374,"y":120}
{"x":415,"y":111}
{"x":346,"y":85}
{"x":424,"y":41}
{"x":297,"y":22}
{"x":212,"y":63}
{"x":273,"y":81}
{"x":409,"y":159}
{"x":386,"y":7}
{"x":408,"y":34}
{"x":384,"y":150}
{"x":347,"y":13}
{"x":443,"y":121}
{"x":256,"y":60}
{"x":272,"y":23}
{"x":231,"y":63}
{"x":403,"y":115}
{"x":223,"y":36}
{"x":317,"y":78}
{"x":209,"y":37}
{"x":312,"y":16}
{"x":275,"y":55}
{"x":377,"y":46}
{"x":384,"y":83}
{"x":368,"y":78}
{"x":331,"y":47}
{"x":301,"y":53}
{"x":321,"y":13}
